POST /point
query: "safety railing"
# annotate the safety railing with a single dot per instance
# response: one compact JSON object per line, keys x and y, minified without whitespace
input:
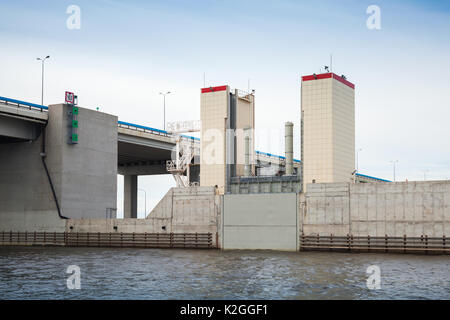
{"x":261,"y":155}
{"x":137,"y":127}
{"x":404,"y":244}
{"x":116,"y":239}
{"x":23,"y":104}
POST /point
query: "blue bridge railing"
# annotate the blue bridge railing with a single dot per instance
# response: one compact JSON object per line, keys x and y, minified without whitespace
{"x":23,"y":104}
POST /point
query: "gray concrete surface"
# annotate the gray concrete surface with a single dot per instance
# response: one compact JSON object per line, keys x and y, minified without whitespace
{"x":260,"y":221}
{"x":84,"y":175}
{"x":378,"y":209}
{"x":130,"y":188}
{"x":181,"y":210}
{"x":16,"y":128}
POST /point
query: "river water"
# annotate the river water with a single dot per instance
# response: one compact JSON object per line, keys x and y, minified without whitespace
{"x":115,"y":273}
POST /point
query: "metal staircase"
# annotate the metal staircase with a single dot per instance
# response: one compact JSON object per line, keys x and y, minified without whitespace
{"x":179,"y":168}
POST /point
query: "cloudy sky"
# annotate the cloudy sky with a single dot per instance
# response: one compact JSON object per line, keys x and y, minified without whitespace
{"x":125,"y":52}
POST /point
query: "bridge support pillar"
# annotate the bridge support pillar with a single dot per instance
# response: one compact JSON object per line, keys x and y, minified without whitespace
{"x":130,"y":196}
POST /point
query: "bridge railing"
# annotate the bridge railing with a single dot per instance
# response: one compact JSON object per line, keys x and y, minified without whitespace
{"x":137,"y":127}
{"x":260,"y":155}
{"x":23,"y":104}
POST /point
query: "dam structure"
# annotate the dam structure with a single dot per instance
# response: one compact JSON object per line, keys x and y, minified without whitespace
{"x":59,"y":167}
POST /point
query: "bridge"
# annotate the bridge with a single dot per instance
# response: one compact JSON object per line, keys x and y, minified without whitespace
{"x":142,"y":150}
{"x":85,"y":176}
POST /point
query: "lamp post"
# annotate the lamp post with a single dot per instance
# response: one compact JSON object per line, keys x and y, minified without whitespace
{"x":357,"y":160}
{"x":42,"y":88}
{"x":425,"y":175}
{"x":145,"y":201}
{"x":394,"y":162}
{"x":164,"y":95}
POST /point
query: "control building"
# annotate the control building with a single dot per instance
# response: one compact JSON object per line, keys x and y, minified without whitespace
{"x":327,"y":129}
{"x":226,"y":117}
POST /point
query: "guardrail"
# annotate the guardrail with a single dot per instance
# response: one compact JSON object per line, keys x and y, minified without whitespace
{"x":422,"y":244}
{"x":99,"y":239}
{"x":137,"y":127}
{"x":270,"y":155}
{"x":23,"y":104}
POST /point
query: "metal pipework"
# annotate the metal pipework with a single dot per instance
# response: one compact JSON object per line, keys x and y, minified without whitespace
{"x":289,"y":147}
{"x":247,"y":167}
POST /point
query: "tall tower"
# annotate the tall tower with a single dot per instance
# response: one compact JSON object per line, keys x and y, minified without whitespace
{"x":328,"y":128}
{"x":224,"y":116}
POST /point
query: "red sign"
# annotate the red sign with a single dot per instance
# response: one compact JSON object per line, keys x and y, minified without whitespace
{"x":70,"y":97}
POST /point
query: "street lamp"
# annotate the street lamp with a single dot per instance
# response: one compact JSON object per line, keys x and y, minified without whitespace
{"x":164,"y":95}
{"x":357,"y":164}
{"x":42,"y":89}
{"x":394,"y":162}
{"x":145,"y":202}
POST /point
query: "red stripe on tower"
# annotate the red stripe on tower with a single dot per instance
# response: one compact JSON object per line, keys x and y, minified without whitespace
{"x":214,"y":89}
{"x":327,"y":76}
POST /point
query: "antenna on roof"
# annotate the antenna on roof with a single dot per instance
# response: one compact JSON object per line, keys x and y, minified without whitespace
{"x":327,"y":69}
{"x":331,"y":62}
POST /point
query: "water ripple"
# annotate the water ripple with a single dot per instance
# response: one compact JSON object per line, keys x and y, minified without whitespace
{"x":40,"y":273}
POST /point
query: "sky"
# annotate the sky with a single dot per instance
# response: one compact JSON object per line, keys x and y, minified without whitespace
{"x":126,"y":52}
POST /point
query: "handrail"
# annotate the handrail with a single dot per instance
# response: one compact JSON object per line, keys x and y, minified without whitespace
{"x":370,"y":177}
{"x":274,"y":155}
{"x":128,"y":124}
{"x":23,"y":103}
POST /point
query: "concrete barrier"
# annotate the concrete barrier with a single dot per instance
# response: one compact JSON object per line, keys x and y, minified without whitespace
{"x":394,"y":209}
{"x":260,"y":221}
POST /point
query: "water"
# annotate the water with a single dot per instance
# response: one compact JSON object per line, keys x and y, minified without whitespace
{"x":114,"y":273}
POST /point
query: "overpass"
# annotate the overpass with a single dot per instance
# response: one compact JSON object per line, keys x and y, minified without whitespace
{"x":142,"y":150}
{"x":138,"y":150}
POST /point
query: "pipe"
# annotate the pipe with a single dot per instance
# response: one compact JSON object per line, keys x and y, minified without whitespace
{"x":247,"y":167}
{"x":289,"y":147}
{"x":43,"y":155}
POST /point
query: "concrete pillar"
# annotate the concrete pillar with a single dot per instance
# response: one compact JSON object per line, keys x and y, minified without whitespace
{"x":130,"y":189}
{"x":289,"y":148}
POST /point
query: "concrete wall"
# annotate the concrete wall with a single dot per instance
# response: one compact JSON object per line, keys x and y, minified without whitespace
{"x":182,"y":210}
{"x":260,"y":221}
{"x":395,"y":209}
{"x":84,"y":175}
{"x":26,"y":200}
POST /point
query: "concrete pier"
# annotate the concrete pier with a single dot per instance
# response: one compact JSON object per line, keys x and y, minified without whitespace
{"x":130,"y":196}
{"x":83,"y":175}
